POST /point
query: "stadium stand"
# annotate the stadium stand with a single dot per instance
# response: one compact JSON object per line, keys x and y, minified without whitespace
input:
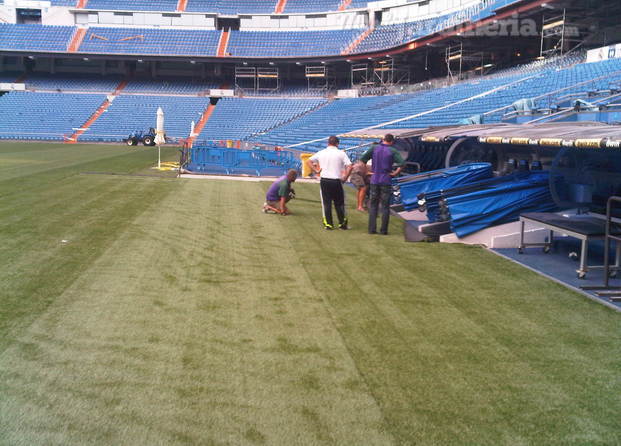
{"x":295,"y":6}
{"x":290,"y":43}
{"x":293,"y":120}
{"x":184,"y":42}
{"x":129,"y":113}
{"x":215,"y":6}
{"x":132,"y":5}
{"x":237,"y":119}
{"x":30,"y":37}
{"x":70,"y":3}
{"x":48,"y":116}
{"x":445,"y":106}
{"x":148,"y":41}
{"x":390,"y":36}
{"x":230,"y":7}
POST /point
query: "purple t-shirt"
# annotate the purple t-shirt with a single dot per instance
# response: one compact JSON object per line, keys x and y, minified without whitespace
{"x":279,"y":188}
{"x":383,"y":157}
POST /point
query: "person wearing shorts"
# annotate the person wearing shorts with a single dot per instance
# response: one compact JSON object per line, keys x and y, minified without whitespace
{"x":360,"y":179}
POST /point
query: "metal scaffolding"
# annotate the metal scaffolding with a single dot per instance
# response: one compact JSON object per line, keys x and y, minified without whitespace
{"x":378,"y":75}
{"x":558,"y":35}
{"x":257,"y":79}
{"x":320,"y":78}
{"x":459,"y":60}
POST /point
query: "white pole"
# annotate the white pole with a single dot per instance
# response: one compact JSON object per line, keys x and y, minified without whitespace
{"x":159,"y":135}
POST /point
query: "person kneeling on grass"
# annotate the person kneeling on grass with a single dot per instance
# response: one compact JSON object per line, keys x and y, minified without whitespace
{"x":279,"y":193}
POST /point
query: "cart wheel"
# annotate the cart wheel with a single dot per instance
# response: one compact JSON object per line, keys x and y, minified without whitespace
{"x":581,"y":275}
{"x":546,"y":249}
{"x":148,"y":141}
{"x":131,"y":141}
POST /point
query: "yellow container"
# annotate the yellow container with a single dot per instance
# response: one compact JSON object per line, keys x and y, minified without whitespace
{"x":306,"y":171}
{"x":229,"y":143}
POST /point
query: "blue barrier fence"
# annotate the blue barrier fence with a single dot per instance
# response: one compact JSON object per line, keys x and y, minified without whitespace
{"x":216,"y":160}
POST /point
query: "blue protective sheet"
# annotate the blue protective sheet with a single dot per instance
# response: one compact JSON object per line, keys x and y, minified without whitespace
{"x":500,"y":204}
{"x":432,"y":199}
{"x":413,"y":185}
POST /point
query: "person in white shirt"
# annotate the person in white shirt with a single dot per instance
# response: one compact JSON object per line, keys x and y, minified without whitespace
{"x":334,"y":167}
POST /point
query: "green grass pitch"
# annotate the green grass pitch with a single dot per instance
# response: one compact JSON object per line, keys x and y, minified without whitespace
{"x":140,"y":309}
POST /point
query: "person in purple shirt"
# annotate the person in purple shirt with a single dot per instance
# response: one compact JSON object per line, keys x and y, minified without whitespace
{"x":384,"y":156}
{"x":279,"y":193}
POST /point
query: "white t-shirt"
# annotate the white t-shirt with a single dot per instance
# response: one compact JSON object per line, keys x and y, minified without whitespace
{"x":332,"y":162}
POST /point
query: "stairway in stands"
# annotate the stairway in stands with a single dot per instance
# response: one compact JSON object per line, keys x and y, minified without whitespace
{"x":102,"y":108}
{"x":223,"y":43}
{"x":344,"y":5}
{"x":352,"y":46}
{"x":280,"y":6}
{"x":198,"y":128}
{"x":76,"y":40}
{"x":181,"y":5}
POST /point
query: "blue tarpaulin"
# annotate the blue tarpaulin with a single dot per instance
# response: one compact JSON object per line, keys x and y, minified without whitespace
{"x":432,"y":199}
{"x":500,"y":204}
{"x":412,"y":185}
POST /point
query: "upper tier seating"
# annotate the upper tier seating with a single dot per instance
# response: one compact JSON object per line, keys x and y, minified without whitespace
{"x":215,"y":6}
{"x":355,"y":4}
{"x":390,"y":36}
{"x":233,"y":7}
{"x":150,"y":41}
{"x":133,"y":5}
{"x":315,"y":5}
{"x":48,"y":116}
{"x":35,"y":37}
{"x":290,"y":44}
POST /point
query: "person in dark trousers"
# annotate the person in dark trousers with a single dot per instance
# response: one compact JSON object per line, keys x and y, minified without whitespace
{"x":384,"y":156}
{"x":279,"y":193}
{"x":334,"y":167}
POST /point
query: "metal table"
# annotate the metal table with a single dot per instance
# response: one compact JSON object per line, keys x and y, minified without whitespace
{"x":583,"y":227}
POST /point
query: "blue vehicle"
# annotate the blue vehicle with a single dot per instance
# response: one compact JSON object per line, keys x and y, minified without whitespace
{"x":146,"y":138}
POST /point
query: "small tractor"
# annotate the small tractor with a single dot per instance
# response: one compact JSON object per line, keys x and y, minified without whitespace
{"x":146,"y":138}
